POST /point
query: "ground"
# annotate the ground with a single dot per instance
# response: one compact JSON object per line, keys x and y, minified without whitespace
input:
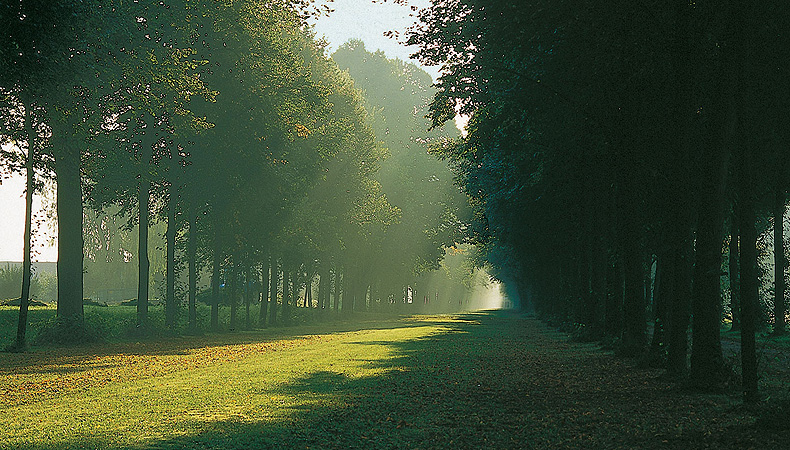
{"x":483,"y":380}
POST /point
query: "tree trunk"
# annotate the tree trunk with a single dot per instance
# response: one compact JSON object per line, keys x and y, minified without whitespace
{"x":347,"y":302}
{"x":70,"y":241}
{"x":750,"y":282}
{"x":323,"y":286}
{"x":599,"y":262}
{"x":308,"y":292}
{"x":143,"y":198}
{"x":295,"y":282}
{"x":215,"y":277}
{"x":779,"y":263}
{"x":373,"y":302}
{"x":749,"y":287}
{"x":286,"y":296}
{"x":648,"y":283}
{"x":233,"y":292}
{"x":24,"y":300}
{"x":273,"y":288}
{"x":735,"y":275}
{"x":635,"y":322}
{"x":298,"y":275}
{"x":170,"y":281}
{"x":247,"y":297}
{"x":614,"y":301}
{"x":264,"y":292}
{"x":658,"y":348}
{"x":678,"y":278}
{"x":707,"y":361}
{"x":192,"y":262}
{"x":362,"y":302}
{"x":338,"y":279}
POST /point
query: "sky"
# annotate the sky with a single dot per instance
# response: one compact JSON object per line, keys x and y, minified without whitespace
{"x":351,"y":19}
{"x":12,"y":223}
{"x":368,"y":21}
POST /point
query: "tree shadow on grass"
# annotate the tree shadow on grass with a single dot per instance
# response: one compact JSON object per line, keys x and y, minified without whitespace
{"x":480,"y":386}
{"x":64,"y":360}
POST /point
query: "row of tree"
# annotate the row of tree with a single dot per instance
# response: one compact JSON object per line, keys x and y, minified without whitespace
{"x":606,"y":137}
{"x":227,"y":122}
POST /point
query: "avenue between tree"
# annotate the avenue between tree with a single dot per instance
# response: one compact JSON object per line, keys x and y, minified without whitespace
{"x":479,"y":380}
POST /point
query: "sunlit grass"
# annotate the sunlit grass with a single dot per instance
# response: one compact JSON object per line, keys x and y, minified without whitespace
{"x":130,"y":399}
{"x":117,"y":323}
{"x":477,"y":380}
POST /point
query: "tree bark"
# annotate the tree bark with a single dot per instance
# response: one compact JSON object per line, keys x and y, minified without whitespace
{"x":247,"y":297}
{"x":735,"y":274}
{"x":143,"y":198}
{"x":286,"y":311}
{"x":742,"y":42}
{"x":192,"y":262}
{"x":749,"y":285}
{"x":70,"y":240}
{"x":215,"y":277}
{"x":264,"y":292}
{"x":658,"y":348}
{"x":779,"y":263}
{"x":308,"y":291}
{"x":635,"y":322}
{"x":338,"y":280}
{"x":679,"y":280}
{"x":614,"y":301}
{"x":24,"y":300}
{"x":599,"y":262}
{"x":347,"y":302}
{"x":373,"y":301}
{"x":233,"y":292}
{"x":294,"y":288}
{"x":707,"y":361}
{"x":170,"y":278}
{"x":323,"y":286}
{"x":273,"y":286}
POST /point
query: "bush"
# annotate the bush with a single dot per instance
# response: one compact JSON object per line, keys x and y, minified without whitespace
{"x":43,"y":286}
{"x":18,"y":302}
{"x":771,"y":415}
{"x":72,"y":331}
{"x":91,"y":302}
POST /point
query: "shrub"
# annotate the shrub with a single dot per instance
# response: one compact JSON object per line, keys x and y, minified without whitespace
{"x":72,"y":331}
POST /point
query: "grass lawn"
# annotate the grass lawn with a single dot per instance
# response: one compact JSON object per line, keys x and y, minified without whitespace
{"x":483,"y":380}
{"x":117,"y":322}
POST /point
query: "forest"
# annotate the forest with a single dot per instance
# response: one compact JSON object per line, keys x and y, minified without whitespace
{"x":624,"y":155}
{"x":139,"y":125}
{"x":621,"y":176}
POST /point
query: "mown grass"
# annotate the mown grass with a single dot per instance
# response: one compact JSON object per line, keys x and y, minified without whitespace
{"x":473,"y":381}
{"x":140,"y":395}
{"x":117,"y":323}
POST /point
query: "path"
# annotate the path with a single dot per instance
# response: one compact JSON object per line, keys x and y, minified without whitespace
{"x":477,"y":381}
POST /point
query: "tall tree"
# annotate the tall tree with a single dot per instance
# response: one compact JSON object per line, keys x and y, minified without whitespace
{"x":24,"y":299}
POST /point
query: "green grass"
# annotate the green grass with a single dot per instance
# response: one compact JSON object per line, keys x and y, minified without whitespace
{"x":472,"y":381}
{"x":116,"y":323}
{"x":9,"y":317}
{"x":190,"y":406}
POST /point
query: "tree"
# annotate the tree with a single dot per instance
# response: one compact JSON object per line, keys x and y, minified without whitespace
{"x":592,"y":146}
{"x":430,"y":207}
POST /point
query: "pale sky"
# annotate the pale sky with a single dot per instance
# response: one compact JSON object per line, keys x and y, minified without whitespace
{"x":366,"y":20}
{"x":352,"y":19}
{"x":12,"y":223}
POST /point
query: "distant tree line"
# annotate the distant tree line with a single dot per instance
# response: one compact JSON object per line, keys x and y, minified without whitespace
{"x":227,"y":122}
{"x":623,"y":158}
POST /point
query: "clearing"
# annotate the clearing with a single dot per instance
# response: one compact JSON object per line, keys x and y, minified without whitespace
{"x":481,"y":380}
